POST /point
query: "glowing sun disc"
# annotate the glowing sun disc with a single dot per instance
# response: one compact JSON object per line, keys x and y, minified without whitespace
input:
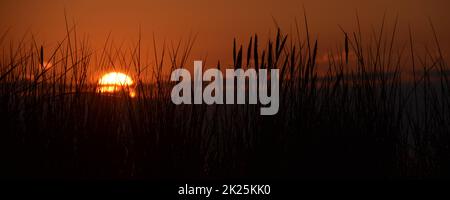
{"x":115,"y":78}
{"x":114,"y":82}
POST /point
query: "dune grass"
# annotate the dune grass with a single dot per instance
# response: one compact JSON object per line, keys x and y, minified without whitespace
{"x":362,"y":114}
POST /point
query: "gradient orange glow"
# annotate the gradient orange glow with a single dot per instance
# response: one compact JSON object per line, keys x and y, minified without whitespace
{"x":218,"y":22}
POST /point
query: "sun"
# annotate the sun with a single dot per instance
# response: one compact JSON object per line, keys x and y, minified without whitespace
{"x":115,"y":78}
{"x":115,"y":82}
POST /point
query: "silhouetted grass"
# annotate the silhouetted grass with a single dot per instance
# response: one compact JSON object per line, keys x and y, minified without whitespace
{"x":360,"y":115}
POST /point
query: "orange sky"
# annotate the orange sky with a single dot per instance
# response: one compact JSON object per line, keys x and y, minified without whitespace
{"x":218,"y":21}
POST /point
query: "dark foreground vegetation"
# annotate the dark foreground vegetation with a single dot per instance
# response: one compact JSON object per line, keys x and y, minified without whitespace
{"x":377,"y":110}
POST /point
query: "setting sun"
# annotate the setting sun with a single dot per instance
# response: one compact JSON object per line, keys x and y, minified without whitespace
{"x":114,"y":82}
{"x":115,"y":78}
